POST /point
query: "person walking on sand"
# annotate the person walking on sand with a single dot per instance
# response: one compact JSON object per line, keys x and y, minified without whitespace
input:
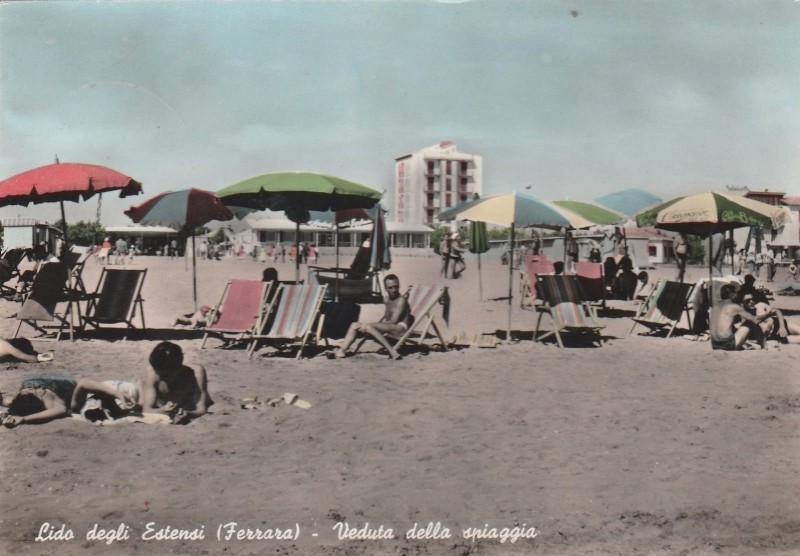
{"x":444,"y":252}
{"x":457,"y":255}
{"x":396,"y":321}
{"x":680,"y":245}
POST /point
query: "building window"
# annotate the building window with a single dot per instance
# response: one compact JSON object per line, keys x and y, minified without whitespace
{"x":430,"y":166}
{"x":430,"y":199}
{"x":464,"y":167}
{"x":448,"y":200}
{"x":448,"y":184}
{"x":462,"y":186}
{"x":430,"y":182}
{"x":448,"y":167}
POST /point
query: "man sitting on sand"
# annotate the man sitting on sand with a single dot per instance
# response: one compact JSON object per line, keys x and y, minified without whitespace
{"x":724,"y":315}
{"x":172,"y":387}
{"x":396,"y":320}
{"x":40,"y":399}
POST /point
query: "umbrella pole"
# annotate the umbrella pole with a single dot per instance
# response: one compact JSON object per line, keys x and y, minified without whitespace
{"x":510,"y":284}
{"x":733,"y":250}
{"x":480,"y":278}
{"x":64,"y":220}
{"x":336,"y":246}
{"x":297,"y":253}
{"x":194,"y":273}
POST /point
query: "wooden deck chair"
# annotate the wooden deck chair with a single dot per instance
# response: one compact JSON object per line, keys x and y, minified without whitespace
{"x":116,"y":298}
{"x":240,"y":310}
{"x":534,"y":264}
{"x":9,"y":269}
{"x":590,"y":276}
{"x":48,"y":289}
{"x":296,"y":317}
{"x":664,"y":307}
{"x":422,"y":300}
{"x":564,"y":301}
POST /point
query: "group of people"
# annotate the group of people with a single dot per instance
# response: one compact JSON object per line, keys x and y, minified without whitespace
{"x":169,"y":387}
{"x":451,"y":249}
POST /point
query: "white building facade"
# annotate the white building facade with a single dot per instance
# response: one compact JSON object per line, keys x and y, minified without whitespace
{"x":433,"y":179}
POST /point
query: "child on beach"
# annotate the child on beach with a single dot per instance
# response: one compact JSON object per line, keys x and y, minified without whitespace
{"x":174,"y":388}
{"x":194,"y":320}
{"x":109,"y":399}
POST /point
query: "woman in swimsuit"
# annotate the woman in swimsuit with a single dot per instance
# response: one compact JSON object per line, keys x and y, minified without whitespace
{"x":40,"y":399}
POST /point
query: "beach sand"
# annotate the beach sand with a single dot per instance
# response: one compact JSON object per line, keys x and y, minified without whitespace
{"x":644,"y":446}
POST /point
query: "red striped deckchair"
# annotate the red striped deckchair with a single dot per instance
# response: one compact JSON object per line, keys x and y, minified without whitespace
{"x":240,"y":310}
{"x":421,"y":302}
{"x":590,"y":277}
{"x":564,"y":301}
{"x":295,"y":318}
{"x":664,"y":307}
{"x":534,"y":264}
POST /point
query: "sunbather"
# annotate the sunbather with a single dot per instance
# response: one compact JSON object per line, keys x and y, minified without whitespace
{"x":108,"y":399}
{"x":396,"y":320}
{"x":197,"y":319}
{"x":723,"y":316}
{"x":22,"y":350}
{"x":174,"y":388}
{"x":40,"y":399}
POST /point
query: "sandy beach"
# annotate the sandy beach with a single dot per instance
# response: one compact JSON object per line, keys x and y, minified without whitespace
{"x":647,"y":445}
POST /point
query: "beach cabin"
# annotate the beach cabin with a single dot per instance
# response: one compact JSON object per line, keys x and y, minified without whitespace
{"x":27,"y":232}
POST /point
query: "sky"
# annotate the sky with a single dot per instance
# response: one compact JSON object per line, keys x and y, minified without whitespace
{"x":575,"y":99}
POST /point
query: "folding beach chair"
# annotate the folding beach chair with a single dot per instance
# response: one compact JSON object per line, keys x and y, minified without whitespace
{"x":564,"y":301}
{"x":47,"y":291}
{"x":296,"y":318}
{"x":240,"y":310}
{"x":114,"y":301}
{"x":664,"y":307}
{"x":590,"y":276}
{"x":9,"y":269}
{"x":534,"y":264}
{"x":421,"y":301}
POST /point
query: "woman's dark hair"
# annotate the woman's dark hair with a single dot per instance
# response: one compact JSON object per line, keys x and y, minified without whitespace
{"x":270,"y":274}
{"x":25,"y":404}
{"x":24,"y":345}
{"x":166,"y":355}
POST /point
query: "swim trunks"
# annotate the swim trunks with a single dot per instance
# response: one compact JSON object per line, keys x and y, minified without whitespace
{"x":727,"y":343}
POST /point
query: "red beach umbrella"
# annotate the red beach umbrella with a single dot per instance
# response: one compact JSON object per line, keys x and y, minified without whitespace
{"x":69,"y":181}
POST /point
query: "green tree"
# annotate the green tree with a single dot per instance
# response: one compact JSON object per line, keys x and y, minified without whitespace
{"x":437,"y":236}
{"x":218,"y":236}
{"x":697,"y":250}
{"x":499,"y":233}
{"x":84,"y":233}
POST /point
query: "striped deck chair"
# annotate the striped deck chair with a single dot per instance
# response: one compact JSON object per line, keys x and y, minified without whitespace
{"x":564,"y":301}
{"x":48,"y":289}
{"x":240,"y":310}
{"x":421,"y":302}
{"x":116,"y":298}
{"x":664,"y":307}
{"x":590,"y":276}
{"x":534,"y":264}
{"x":296,"y":318}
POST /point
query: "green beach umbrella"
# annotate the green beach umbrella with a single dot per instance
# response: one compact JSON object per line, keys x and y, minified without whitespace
{"x":297,"y":193}
{"x":478,"y":243}
{"x":591,"y":211}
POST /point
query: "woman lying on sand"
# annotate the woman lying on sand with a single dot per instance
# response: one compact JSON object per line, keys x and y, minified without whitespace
{"x":22,"y":350}
{"x":40,"y":399}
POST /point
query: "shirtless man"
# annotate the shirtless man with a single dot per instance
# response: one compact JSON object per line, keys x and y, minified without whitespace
{"x":396,"y":320}
{"x":172,"y":387}
{"x":723,"y":315}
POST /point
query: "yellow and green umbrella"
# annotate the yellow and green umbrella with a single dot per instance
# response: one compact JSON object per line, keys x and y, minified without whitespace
{"x":708,"y":212}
